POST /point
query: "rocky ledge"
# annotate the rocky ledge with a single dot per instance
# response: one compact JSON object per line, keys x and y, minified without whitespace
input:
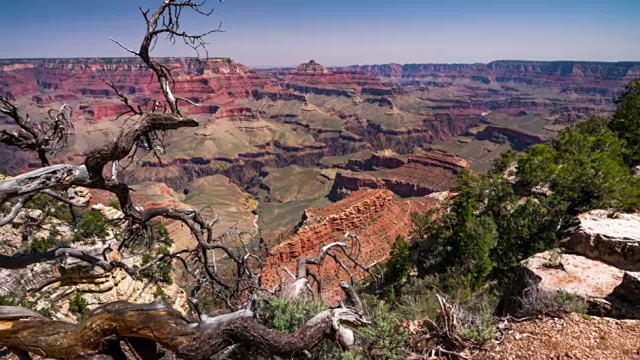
{"x":598,"y":266}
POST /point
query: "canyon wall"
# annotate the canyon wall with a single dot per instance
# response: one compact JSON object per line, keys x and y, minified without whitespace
{"x":375,"y":216}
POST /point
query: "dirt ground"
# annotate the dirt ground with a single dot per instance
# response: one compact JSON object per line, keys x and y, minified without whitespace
{"x":573,"y":337}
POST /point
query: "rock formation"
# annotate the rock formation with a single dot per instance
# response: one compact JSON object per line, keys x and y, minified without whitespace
{"x":375,"y":216}
{"x":420,"y":175}
{"x":599,"y":265}
{"x":51,"y":285}
{"x":312,"y":67}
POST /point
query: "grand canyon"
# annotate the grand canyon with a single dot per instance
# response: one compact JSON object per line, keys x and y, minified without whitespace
{"x":292,"y":139}
{"x":189,"y":207}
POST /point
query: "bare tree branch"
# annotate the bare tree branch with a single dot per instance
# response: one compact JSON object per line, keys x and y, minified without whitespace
{"x":157,"y":321}
{"x":45,"y":137}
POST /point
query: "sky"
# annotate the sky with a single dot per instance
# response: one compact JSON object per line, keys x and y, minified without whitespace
{"x":265,"y":33}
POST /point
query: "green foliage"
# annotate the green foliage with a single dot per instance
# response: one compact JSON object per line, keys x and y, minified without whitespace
{"x":39,"y":245}
{"x":385,"y":338}
{"x":159,"y":293}
{"x":91,"y":224}
{"x":286,"y":316}
{"x":571,"y":303}
{"x":78,"y":305}
{"x":162,"y":269}
{"x":529,"y":229}
{"x":46,"y":311}
{"x":399,"y":262}
{"x":461,"y":239}
{"x":161,"y":233}
{"x":584,"y":168}
{"x":626,"y":121}
{"x":115,"y":204}
{"x":493,"y":224}
{"x":476,"y":317}
{"x":9,"y":299}
{"x":52,"y":206}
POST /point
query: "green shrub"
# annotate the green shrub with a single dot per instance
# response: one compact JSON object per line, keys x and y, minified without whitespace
{"x":91,"y":224}
{"x":286,"y":316}
{"x":115,"y":204}
{"x":626,"y":121}
{"x":39,"y":245}
{"x":399,"y":264}
{"x":160,"y":271}
{"x":461,"y":239}
{"x":584,"y":168}
{"x":476,"y":318}
{"x":48,"y":204}
{"x":571,"y":303}
{"x":385,"y":338}
{"x":159,"y":293}
{"x":9,"y":299}
{"x":161,"y":233}
{"x":78,"y":305}
{"x":46,"y":311}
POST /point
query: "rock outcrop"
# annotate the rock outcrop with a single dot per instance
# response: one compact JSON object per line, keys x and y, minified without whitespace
{"x":599,"y":265}
{"x":519,"y":140}
{"x":374,"y":215}
{"x":612,"y":238}
{"x":49,"y":286}
{"x":313,"y":78}
{"x":311,"y":67}
{"x":420,"y":175}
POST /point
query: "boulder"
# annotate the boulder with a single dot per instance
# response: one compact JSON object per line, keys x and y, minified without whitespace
{"x":600,"y":287}
{"x":613,"y":238}
{"x":629,"y":288}
{"x":600,"y":267}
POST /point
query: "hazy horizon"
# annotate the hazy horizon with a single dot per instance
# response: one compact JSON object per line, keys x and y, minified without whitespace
{"x":285,"y":33}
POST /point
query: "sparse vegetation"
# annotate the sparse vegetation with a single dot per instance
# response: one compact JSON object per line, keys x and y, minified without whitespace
{"x":78,"y":305}
{"x":162,"y":269}
{"x":9,"y":299}
{"x":92,"y":224}
{"x":39,"y":245}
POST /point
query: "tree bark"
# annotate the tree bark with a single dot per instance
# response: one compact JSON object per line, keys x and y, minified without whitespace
{"x":24,"y":330}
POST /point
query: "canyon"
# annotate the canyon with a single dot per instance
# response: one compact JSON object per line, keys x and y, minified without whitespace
{"x":296,"y":157}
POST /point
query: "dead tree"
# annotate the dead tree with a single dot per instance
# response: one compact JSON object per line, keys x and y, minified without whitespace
{"x":102,"y":332}
{"x":343,"y":252}
{"x":189,"y":338}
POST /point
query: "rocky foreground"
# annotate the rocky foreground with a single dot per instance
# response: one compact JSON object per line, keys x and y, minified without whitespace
{"x":575,"y":337}
{"x":598,"y":265}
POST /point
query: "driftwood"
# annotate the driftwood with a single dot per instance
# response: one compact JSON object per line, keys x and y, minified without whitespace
{"x":23,"y":330}
{"x":439,"y":339}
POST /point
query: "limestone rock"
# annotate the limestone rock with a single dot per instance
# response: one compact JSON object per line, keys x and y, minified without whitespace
{"x":108,"y":212}
{"x":613,"y":238}
{"x":597,"y":284}
{"x":629,"y":288}
{"x":601,"y":266}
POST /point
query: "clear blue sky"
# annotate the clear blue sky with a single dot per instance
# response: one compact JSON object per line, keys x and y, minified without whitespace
{"x":340,"y":32}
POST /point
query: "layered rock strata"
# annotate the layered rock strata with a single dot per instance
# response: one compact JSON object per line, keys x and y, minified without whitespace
{"x":375,"y":216}
{"x":420,"y":175}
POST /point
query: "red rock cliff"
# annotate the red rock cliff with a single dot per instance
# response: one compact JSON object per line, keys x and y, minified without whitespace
{"x":374,"y":215}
